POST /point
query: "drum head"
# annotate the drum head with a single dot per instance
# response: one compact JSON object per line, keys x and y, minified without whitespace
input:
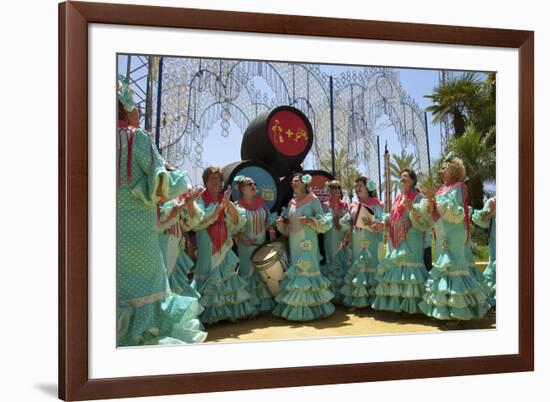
{"x":267,"y":252}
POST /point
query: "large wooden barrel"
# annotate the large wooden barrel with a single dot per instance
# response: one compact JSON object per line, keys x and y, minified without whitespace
{"x":267,"y":183}
{"x":319,"y":178}
{"x":281,"y":138}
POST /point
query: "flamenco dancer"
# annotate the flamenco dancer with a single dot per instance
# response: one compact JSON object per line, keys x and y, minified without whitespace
{"x":304,"y":294}
{"x":336,"y":254}
{"x":472,"y":267}
{"x":451,"y":291}
{"x":360,"y":279}
{"x":147,"y":310}
{"x":258,"y":222}
{"x":402,"y":274}
{"x":177,"y":217}
{"x":223,"y":292}
{"x":486,"y":218}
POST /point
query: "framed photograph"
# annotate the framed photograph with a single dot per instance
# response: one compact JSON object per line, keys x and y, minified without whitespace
{"x":295,"y":113}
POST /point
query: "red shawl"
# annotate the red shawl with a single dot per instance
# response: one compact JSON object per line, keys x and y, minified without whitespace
{"x":465,"y":202}
{"x":372,"y":201}
{"x":399,"y":228}
{"x":216,"y":231}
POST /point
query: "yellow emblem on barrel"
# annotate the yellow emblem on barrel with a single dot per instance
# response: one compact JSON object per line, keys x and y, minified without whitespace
{"x":267,"y":193}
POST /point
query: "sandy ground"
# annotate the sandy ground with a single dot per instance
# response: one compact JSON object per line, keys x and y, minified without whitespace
{"x":342,"y":323}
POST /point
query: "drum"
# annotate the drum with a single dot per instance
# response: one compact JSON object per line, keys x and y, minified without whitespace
{"x":271,"y":262}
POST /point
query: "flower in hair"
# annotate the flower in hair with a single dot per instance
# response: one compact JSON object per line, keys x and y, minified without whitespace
{"x":125,"y":94}
{"x":238,"y":179}
{"x":371,"y":185}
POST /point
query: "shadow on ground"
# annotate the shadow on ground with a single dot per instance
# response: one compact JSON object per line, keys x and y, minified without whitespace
{"x":344,"y":322}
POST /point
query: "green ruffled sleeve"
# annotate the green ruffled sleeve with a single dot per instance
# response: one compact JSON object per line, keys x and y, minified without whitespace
{"x":154,"y":174}
{"x":450,"y":206}
{"x":420,"y":221}
{"x":189,"y":223}
{"x":322,"y":220}
{"x":165,"y":220}
{"x":345,"y":222}
{"x":425,"y":217}
{"x":233,"y":228}
{"x":479,"y":215}
{"x":207,"y":214}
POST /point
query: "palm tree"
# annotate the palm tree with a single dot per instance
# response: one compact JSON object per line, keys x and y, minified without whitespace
{"x":458,"y":98}
{"x":484,"y":119}
{"x":346,"y":173}
{"x":479,"y":159}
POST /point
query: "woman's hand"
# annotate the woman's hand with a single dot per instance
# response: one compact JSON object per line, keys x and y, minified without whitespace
{"x":377,"y":226}
{"x":429,"y":193}
{"x":227,"y":194}
{"x":407,"y":204}
{"x":345,"y":241}
{"x":195,"y":194}
{"x":245,"y":240}
{"x":272,"y":233}
{"x":221,"y":206}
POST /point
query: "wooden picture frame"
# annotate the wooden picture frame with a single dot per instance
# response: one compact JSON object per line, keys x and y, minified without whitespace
{"x":74,"y":381}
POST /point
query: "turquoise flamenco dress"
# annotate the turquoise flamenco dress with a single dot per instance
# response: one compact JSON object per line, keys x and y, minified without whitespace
{"x":304,"y":292}
{"x":172,"y":241}
{"x":452,"y":292}
{"x":489,"y":274}
{"x":337,"y":257}
{"x":223,"y":292}
{"x":360,"y":280}
{"x":474,"y":271}
{"x":258,"y":218}
{"x":148,"y":312}
{"x":401,"y":274}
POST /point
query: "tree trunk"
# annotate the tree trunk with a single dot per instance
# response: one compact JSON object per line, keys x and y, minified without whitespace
{"x":475,"y":193}
{"x":459,"y":124}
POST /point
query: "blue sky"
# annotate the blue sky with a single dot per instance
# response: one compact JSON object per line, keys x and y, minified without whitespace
{"x":417,"y":83}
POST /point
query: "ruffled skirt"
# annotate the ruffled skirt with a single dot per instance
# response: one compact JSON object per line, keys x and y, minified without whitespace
{"x":401,"y":279}
{"x":260,"y":297}
{"x":335,"y":271}
{"x":224,"y":295}
{"x":453,"y":293}
{"x":304,"y":293}
{"x":359,"y":282}
{"x":171,"y":320}
{"x":490,"y":277}
{"x":179,"y":277}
